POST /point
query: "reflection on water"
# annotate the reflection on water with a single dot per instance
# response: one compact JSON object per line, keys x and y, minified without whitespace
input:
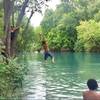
{"x":35,"y":86}
{"x":64,"y":80}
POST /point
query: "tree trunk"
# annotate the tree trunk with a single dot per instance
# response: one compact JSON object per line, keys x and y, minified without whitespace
{"x":26,"y":27}
{"x":8,"y":5}
{"x":13,"y":19}
{"x":22,"y":13}
{"x":19,"y":20}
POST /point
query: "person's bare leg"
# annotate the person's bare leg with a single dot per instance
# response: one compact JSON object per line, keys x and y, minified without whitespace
{"x":53,"y":60}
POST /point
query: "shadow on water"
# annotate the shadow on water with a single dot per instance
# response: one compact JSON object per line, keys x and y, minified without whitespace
{"x":64,"y":80}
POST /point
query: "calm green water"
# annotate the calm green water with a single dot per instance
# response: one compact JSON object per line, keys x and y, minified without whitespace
{"x":64,"y":80}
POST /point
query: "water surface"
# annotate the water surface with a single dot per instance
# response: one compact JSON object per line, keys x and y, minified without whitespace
{"x":64,"y":80}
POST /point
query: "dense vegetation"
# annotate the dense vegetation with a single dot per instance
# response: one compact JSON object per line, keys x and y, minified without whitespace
{"x":14,"y":13}
{"x":73,"y":26}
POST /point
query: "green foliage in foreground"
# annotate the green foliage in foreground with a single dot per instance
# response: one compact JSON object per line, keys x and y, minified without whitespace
{"x":11,"y":77}
{"x":11,"y":74}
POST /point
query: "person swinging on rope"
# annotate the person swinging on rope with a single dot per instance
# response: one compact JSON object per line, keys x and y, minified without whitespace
{"x":47,"y":53}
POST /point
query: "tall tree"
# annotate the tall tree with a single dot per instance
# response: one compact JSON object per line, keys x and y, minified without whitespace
{"x":9,"y":6}
{"x":8,"y":9}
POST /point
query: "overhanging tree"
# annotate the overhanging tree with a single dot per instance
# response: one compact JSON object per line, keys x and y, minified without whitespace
{"x":9,"y":6}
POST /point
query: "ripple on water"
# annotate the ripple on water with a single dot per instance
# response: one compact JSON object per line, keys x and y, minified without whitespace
{"x":64,"y":80}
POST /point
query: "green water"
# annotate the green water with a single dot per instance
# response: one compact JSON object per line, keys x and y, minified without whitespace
{"x":64,"y":80}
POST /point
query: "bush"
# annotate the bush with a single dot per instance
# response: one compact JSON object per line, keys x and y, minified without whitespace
{"x":88,"y":36}
{"x":11,"y":77}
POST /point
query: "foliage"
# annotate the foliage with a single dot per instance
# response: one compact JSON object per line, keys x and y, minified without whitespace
{"x":12,"y":76}
{"x":60,"y":30}
{"x":38,"y":37}
{"x":88,"y":36}
{"x":26,"y":39}
{"x":59,"y":26}
{"x":48,"y":21}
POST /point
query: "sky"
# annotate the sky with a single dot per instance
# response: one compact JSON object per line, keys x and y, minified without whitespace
{"x":37,"y":17}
